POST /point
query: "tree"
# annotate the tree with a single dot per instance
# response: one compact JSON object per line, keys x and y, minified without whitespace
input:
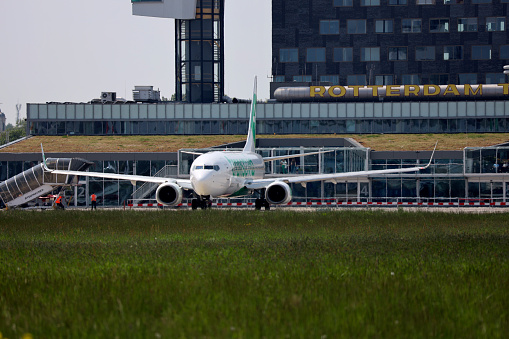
{"x":13,"y":133}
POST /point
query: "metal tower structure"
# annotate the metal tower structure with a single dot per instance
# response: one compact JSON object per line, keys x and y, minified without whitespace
{"x":199,"y":50}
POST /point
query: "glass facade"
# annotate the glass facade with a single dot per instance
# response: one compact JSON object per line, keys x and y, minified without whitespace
{"x":279,"y":118}
{"x":466,"y":38}
{"x":199,"y":48}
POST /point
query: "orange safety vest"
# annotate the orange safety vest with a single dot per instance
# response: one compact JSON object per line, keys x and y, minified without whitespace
{"x":59,"y":200}
{"x":94,"y":197}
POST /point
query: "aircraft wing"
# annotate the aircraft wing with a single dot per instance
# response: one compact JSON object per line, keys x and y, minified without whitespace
{"x":186,"y":184}
{"x":332,"y":177}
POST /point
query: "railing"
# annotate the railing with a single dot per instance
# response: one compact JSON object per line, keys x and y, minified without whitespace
{"x":334,"y":202}
{"x":149,"y":187}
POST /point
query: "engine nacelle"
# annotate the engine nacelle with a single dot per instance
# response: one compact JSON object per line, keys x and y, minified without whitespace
{"x":278,"y":193}
{"x":169,"y":194}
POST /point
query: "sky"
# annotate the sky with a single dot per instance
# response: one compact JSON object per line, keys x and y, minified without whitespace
{"x":71,"y":51}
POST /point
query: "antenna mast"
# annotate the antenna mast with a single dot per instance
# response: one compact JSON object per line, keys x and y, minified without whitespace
{"x":18,"y":108}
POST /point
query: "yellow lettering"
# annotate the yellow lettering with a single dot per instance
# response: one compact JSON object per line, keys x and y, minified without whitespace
{"x":375,"y":89}
{"x":342,"y":91}
{"x":506,"y":88}
{"x":355,"y":90}
{"x":435,"y":92}
{"x":469,"y":89}
{"x":316,"y":90}
{"x":411,"y":89}
{"x":451,"y":89}
{"x":392,"y":91}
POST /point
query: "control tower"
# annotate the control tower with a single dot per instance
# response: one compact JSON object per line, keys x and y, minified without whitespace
{"x":199,"y":47}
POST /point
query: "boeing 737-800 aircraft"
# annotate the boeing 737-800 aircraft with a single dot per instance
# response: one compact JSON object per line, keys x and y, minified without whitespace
{"x":233,"y":174}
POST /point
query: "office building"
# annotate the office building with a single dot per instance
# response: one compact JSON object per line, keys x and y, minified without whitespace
{"x":389,"y":42}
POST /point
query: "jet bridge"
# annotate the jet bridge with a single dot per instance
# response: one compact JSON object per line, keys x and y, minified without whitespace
{"x":34,"y":182}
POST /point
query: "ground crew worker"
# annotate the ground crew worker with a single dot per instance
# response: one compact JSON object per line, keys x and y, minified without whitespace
{"x":58,"y":202}
{"x":93,"y":198}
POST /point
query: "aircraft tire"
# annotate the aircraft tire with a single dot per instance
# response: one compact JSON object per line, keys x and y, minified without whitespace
{"x":194,"y":204}
{"x":258,"y":204}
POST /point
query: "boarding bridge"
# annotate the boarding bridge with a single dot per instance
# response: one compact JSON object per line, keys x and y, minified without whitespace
{"x":35,"y":182}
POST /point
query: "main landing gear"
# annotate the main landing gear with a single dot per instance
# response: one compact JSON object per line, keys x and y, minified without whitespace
{"x":260,"y":202}
{"x":201,"y":202}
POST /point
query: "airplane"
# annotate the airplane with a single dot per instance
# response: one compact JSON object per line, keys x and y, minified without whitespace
{"x":223,"y":174}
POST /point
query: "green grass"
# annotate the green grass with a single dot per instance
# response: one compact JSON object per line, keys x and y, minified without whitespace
{"x":241,"y":274}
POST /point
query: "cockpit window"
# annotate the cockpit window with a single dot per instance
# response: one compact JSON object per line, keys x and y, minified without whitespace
{"x":207,"y":167}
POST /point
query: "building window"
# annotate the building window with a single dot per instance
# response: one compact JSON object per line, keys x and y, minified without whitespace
{"x":315,"y":55}
{"x":343,"y":3}
{"x":398,"y":2}
{"x":467,"y":24}
{"x":343,"y":54}
{"x":356,"y":26}
{"x":397,"y":53}
{"x":495,"y":24}
{"x":453,"y":2}
{"x":504,"y":51}
{"x":288,"y":55}
{"x":302,"y":78}
{"x":425,"y":53}
{"x":439,"y":25}
{"x":278,"y":78}
{"x":411,"y":25}
{"x":453,"y":52}
{"x":495,"y":78}
{"x":370,"y":54}
{"x":383,"y":80}
{"x":481,"y":1}
{"x":424,"y":2}
{"x":481,"y":52}
{"x":329,"y":27}
{"x":439,"y":79}
{"x":468,"y":78}
{"x":370,"y":2}
{"x":410,"y":79}
{"x":384,"y":26}
{"x":333,"y":79}
{"x":356,"y":80}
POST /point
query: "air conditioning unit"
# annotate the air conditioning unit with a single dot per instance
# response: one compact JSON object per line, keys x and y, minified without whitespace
{"x":108,"y":96}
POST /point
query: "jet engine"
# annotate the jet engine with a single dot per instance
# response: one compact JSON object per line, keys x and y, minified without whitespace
{"x":278,"y":193}
{"x":169,"y":194}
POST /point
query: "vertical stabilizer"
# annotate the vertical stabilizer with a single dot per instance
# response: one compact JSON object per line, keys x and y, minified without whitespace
{"x":251,"y":134}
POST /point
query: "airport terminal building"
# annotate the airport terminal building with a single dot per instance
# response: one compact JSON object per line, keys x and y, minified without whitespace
{"x":471,"y":175}
{"x":338,"y":67}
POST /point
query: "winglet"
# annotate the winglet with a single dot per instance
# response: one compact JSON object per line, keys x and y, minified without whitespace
{"x":431,"y":159}
{"x":44,"y":165}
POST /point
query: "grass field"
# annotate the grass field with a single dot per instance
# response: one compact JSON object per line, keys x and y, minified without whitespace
{"x":241,"y":274}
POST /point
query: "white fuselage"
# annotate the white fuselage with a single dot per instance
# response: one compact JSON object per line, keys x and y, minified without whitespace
{"x":223,"y":174}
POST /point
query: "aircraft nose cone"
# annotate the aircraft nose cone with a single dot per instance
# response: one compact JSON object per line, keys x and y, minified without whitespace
{"x":201,"y":182}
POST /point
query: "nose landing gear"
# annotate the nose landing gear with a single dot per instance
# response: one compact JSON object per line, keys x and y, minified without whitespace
{"x":201,"y":202}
